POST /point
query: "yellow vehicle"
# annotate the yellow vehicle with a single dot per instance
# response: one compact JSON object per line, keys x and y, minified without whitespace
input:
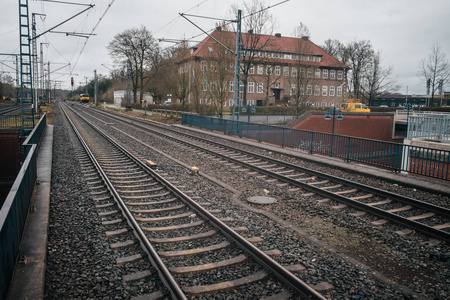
{"x":354,"y":107}
{"x":84,"y":98}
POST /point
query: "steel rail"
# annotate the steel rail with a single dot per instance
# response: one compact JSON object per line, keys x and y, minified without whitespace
{"x":300,"y":287}
{"x":164,"y":274}
{"x":427,"y":230}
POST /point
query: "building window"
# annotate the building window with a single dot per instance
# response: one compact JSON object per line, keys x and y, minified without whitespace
{"x":325,"y":74}
{"x":293,"y":88}
{"x":251,"y":70}
{"x":260,"y":69}
{"x":251,"y":87}
{"x":203,"y":101}
{"x":251,"y":102}
{"x":285,"y":71}
{"x":324,"y":104}
{"x":259,"y":88}
{"x":205,"y":86}
{"x":316,"y":90}
{"x":309,"y":89}
{"x":231,"y":86}
{"x":331,"y":104}
{"x":317,"y":73}
{"x":339,"y":91}
{"x":203,"y":66}
{"x":269,"y":70}
{"x":230,"y":102}
{"x":324,"y":90}
{"x":302,"y":89}
{"x":212,"y":86}
{"x":309,"y":73}
{"x":277,"y":85}
{"x":316,"y":104}
{"x":294,"y":72}
{"x":277,"y":70}
{"x":332,"y":74}
{"x":339,"y":75}
{"x":332,"y":89}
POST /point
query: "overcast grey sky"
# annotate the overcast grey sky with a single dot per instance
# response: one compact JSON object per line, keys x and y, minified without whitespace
{"x":403,"y":30}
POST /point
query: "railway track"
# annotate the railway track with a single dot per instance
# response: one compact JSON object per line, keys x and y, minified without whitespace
{"x":412,"y":214}
{"x":179,"y":237}
{"x":8,"y":109}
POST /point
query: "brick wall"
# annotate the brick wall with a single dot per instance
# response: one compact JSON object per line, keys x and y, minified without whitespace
{"x":377,"y":126}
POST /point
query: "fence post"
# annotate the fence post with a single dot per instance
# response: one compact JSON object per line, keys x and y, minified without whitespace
{"x":311,"y":143}
{"x":348,"y":149}
{"x":282,"y":137}
{"x":260,"y":128}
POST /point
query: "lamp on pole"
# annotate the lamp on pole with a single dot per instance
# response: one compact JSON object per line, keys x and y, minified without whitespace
{"x":329,"y":117}
{"x":250,"y":108}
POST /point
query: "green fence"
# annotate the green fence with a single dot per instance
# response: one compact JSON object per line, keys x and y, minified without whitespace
{"x":427,"y":162}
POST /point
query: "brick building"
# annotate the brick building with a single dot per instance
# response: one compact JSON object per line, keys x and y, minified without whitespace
{"x":282,"y":70}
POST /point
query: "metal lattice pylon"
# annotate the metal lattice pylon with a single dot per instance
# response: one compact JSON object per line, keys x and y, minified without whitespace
{"x":26,"y":84}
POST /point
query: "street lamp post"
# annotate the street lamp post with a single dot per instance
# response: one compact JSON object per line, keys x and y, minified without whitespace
{"x":329,"y":117}
{"x":145,"y":107}
{"x":250,"y":108}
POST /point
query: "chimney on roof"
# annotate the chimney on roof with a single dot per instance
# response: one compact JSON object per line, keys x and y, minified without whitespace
{"x":219,"y":28}
{"x":250,"y":31}
{"x":278,"y":35}
{"x":305,"y":37}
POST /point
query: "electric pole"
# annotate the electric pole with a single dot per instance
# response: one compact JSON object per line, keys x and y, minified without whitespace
{"x":95,"y":87}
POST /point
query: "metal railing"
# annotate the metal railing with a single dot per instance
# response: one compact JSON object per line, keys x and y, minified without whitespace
{"x":428,"y":126}
{"x":14,"y":122}
{"x":427,"y":162}
{"x":14,"y":211}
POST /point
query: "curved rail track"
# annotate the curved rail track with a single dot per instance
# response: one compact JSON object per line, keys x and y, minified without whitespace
{"x":129,"y":192}
{"x":415,"y":215}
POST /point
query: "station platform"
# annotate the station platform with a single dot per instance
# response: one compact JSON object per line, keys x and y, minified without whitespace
{"x":29,"y":276}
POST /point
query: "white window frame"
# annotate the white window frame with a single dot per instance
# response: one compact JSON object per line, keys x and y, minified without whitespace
{"x":316,"y":90}
{"x":309,"y":89}
{"x":251,"y":102}
{"x":332,"y":74}
{"x":324,"y":90}
{"x":251,"y":87}
{"x":260,"y":88}
{"x":203,"y":101}
{"x":324,"y":104}
{"x":340,"y":75}
{"x":286,"y":71}
{"x":231,"y":86}
{"x":277,"y":70}
{"x":325,"y":74}
{"x":293,"y":88}
{"x":332,"y":91}
{"x":269,"y":70}
{"x":230,"y":102}
{"x":339,"y":91}
{"x":331,"y":104}
{"x":260,"y":69}
{"x":317,"y":73}
{"x":309,"y":73}
{"x":251,"y":70}
{"x":277,"y":85}
{"x":294,"y":72}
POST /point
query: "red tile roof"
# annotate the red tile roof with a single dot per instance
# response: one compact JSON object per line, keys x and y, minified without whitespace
{"x":271,"y":43}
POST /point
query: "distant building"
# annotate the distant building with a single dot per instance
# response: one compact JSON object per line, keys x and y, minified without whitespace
{"x":282,"y":66}
{"x":120,"y":97}
{"x":396,"y":100}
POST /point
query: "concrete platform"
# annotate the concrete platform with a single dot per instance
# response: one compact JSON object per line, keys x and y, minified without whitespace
{"x":29,"y":276}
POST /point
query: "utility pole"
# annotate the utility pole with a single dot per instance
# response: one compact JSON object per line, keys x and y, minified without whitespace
{"x":237,"y":67}
{"x":48,"y":82}
{"x":86,"y":85}
{"x":95,"y":87}
{"x":35,"y":60}
{"x":128,"y":106}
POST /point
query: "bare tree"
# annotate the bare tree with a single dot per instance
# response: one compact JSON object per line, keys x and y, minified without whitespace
{"x":334,"y":48}
{"x":358,"y":55}
{"x":378,"y":80}
{"x":300,"y":77}
{"x":139,"y":46}
{"x":220,"y":71}
{"x":259,"y":25}
{"x":435,"y":70}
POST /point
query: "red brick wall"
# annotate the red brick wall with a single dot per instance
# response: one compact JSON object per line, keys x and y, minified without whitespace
{"x":364,"y":125}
